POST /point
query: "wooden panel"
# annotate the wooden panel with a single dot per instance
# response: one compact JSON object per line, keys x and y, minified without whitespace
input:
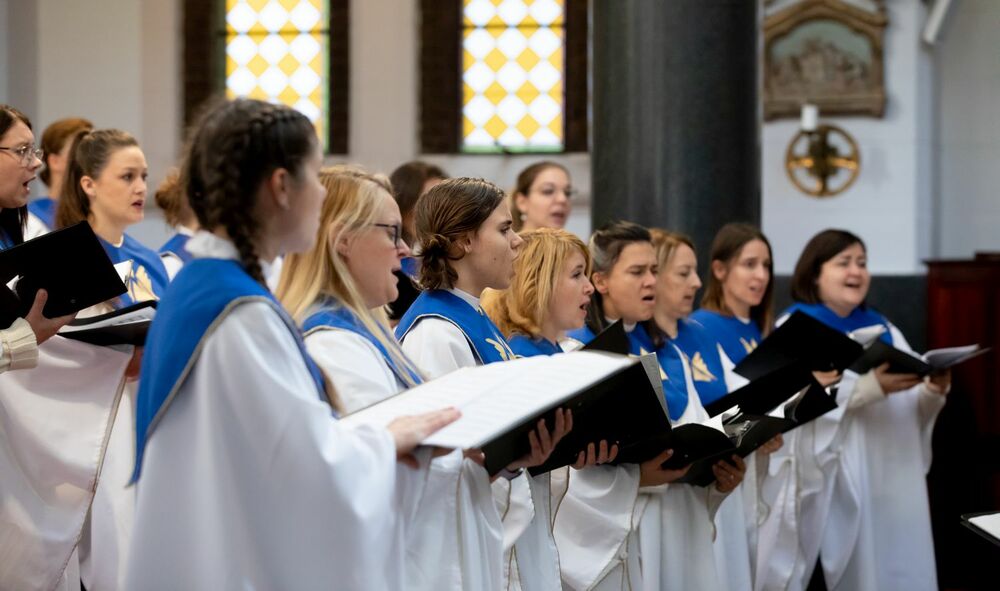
{"x":962,"y":302}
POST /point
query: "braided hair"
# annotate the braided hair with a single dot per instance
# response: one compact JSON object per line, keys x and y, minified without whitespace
{"x":233,"y":148}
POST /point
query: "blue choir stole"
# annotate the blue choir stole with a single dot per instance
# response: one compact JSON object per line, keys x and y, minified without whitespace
{"x":5,"y":240}
{"x":671,"y":365}
{"x":411,"y":267}
{"x":737,"y":338}
{"x":199,"y":298}
{"x":525,"y":346}
{"x":176,"y":246}
{"x":148,"y":278}
{"x":334,"y":316}
{"x":487,"y":344}
{"x":44,"y":208}
{"x":860,"y":317}
{"x":703,"y":356}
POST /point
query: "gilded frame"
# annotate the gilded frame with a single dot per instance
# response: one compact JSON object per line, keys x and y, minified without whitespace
{"x":824,"y":52}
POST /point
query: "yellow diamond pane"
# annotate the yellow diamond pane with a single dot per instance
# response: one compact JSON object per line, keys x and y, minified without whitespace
{"x":513,"y":61}
{"x":278,"y":51}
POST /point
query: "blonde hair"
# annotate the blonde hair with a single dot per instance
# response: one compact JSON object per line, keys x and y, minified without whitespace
{"x":523,"y":306}
{"x":665,"y":244}
{"x":353,"y":198}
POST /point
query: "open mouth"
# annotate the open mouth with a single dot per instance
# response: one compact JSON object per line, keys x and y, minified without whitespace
{"x":139,"y":203}
{"x":649,"y":299}
{"x":27,"y":184}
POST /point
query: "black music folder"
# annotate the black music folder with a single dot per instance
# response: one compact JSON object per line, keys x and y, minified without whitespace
{"x":69,"y":263}
{"x":805,"y":340}
{"x":902,"y":362}
{"x":985,"y":524}
{"x":612,"y":339}
{"x":702,"y":446}
{"x":126,"y":326}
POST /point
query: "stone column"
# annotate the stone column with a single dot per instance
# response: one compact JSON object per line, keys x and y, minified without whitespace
{"x":677,"y":119}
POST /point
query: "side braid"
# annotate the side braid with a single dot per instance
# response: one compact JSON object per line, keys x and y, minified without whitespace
{"x":233,"y":149}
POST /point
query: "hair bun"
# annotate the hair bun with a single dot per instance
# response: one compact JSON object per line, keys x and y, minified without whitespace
{"x":435,"y":244}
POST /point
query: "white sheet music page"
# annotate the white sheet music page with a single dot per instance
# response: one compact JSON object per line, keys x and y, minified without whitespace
{"x":497,"y":397}
{"x":988,"y":523}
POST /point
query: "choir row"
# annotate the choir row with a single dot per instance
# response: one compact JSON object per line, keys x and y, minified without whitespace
{"x":212,"y":458}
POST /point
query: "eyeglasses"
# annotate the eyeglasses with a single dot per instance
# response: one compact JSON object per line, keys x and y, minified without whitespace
{"x":395,"y":234}
{"x":25,"y":153}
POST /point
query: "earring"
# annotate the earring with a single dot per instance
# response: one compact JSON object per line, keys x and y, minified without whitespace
{"x":524,"y":217}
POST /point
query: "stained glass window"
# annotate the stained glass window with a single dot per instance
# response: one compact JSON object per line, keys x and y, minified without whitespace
{"x":513,"y":56}
{"x":278,"y":51}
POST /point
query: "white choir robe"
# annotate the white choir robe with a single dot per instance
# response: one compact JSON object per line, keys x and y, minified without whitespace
{"x":597,"y":512}
{"x":56,"y":428}
{"x":103,"y":549}
{"x":530,"y":559}
{"x":677,"y":528}
{"x":249,"y":483}
{"x":35,"y":227}
{"x":739,"y":515}
{"x":850,"y":486}
{"x":595,"y":519}
{"x":440,"y":533}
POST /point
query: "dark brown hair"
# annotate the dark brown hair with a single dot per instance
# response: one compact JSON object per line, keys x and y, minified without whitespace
{"x":90,"y":153}
{"x":234,"y":147}
{"x":170,"y":198}
{"x":523,"y":186}
{"x":12,"y":220}
{"x":726,"y":248}
{"x":606,"y":246}
{"x":823,"y":247}
{"x":408,"y":185}
{"x":55,"y":137}
{"x":445,"y":214}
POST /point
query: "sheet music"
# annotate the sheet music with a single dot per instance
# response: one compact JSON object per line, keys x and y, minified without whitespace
{"x":867,"y":335}
{"x":496,"y":397}
{"x":949,"y":356}
{"x":988,"y":523}
{"x":133,"y":317}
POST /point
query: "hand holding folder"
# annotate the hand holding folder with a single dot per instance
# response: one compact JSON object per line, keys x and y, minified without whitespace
{"x":69,"y":264}
{"x":610,"y":397}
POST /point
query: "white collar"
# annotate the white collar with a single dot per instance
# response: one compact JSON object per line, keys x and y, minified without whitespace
{"x":468,"y":298}
{"x":184,"y":231}
{"x":206,"y":245}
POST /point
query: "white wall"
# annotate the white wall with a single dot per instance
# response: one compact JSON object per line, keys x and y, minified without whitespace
{"x":890,"y":204}
{"x":968,"y":69}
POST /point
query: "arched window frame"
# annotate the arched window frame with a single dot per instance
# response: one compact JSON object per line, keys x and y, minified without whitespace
{"x":204,"y":63}
{"x":441,"y":77}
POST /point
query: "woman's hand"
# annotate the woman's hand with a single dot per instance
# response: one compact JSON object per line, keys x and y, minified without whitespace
{"x":729,"y":475}
{"x":826,"y":378}
{"x":596,"y":456}
{"x":542,"y":442}
{"x":939,"y":383}
{"x":134,"y":364}
{"x":44,"y":328}
{"x":409,"y":431}
{"x":772,"y":445}
{"x":895,"y":382}
{"x":652,"y":472}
